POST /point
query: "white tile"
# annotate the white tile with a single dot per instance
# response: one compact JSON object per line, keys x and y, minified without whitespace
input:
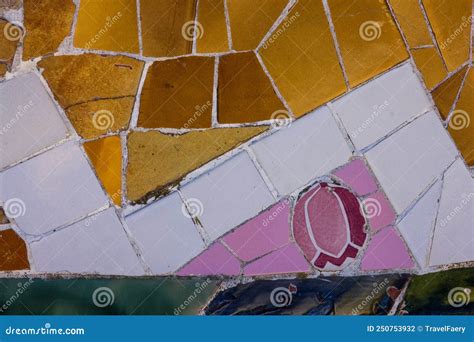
{"x":228,"y":195}
{"x":417,"y":226}
{"x":378,"y":107}
{"x":54,"y":188}
{"x":453,"y":239}
{"x":96,"y":245}
{"x":410,"y":159}
{"x":166,"y":237}
{"x":29,"y":119}
{"x":312,"y":146}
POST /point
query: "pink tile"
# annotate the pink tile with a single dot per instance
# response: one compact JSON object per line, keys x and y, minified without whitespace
{"x":213,"y":261}
{"x":378,"y":211}
{"x":287,"y":259}
{"x":386,"y":251}
{"x":358,"y":177}
{"x":262,"y":234}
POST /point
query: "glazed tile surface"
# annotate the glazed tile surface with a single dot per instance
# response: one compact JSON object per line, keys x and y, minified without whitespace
{"x":235,"y":139}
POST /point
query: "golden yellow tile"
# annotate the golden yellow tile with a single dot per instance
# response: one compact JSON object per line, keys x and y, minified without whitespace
{"x":445,"y":94}
{"x":167,"y":27}
{"x":412,"y":22}
{"x":212,"y":29}
{"x":430,"y":64}
{"x":157,"y":160}
{"x":107,"y":25}
{"x":47,"y":23}
{"x":106,"y":156}
{"x":13,"y":252}
{"x":178,"y":94}
{"x":245,"y":93}
{"x":3,"y":69}
{"x":10,"y":36}
{"x":250,"y":20}
{"x":3,"y":217}
{"x":302,"y":59}
{"x":368,"y":37}
{"x":452,"y":28}
{"x":461,"y":124}
{"x":82,"y":78}
{"x":95,"y":118}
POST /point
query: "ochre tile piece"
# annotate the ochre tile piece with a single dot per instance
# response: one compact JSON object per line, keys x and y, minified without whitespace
{"x":452,"y":28}
{"x":47,"y":23}
{"x":3,"y":217}
{"x":3,"y":69}
{"x":368,"y":37}
{"x":430,"y":64}
{"x":13,"y":253}
{"x":156,"y":160}
{"x":95,"y":118}
{"x":10,"y":36}
{"x":245,"y":93}
{"x":167,"y":27}
{"x":302,"y":59}
{"x":445,"y":94}
{"x":250,"y":20}
{"x":211,"y":33}
{"x":412,"y":22}
{"x":106,"y":156}
{"x":178,"y":94}
{"x":107,"y":25}
{"x":81,"y":78}
{"x":461,"y":124}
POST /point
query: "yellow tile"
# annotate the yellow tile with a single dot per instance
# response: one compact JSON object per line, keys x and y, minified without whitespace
{"x":302,"y":58}
{"x":167,"y":27}
{"x":430,"y":64}
{"x":451,"y":26}
{"x":13,"y":252}
{"x":445,"y":94}
{"x":95,"y":118}
{"x":47,"y":23}
{"x":250,"y":20}
{"x":412,"y":22}
{"x":212,"y":29}
{"x":3,"y":217}
{"x":178,"y":94}
{"x":461,"y":124}
{"x":158,"y":160}
{"x":82,"y":78}
{"x":3,"y":69}
{"x":245,"y":93}
{"x":368,"y":37}
{"x":10,"y":36}
{"x":106,"y":156}
{"x":107,"y":25}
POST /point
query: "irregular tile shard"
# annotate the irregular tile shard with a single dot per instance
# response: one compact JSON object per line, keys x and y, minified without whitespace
{"x":386,"y":251}
{"x":302,"y":59}
{"x":3,"y":69}
{"x":445,"y":94}
{"x":451,"y":28}
{"x":245,"y":93}
{"x":417,"y":226}
{"x":368,"y":38}
{"x":378,"y":211}
{"x":413,"y":25}
{"x":13,"y":252}
{"x":95,"y":245}
{"x":106,"y":156}
{"x":168,"y":27}
{"x":166,"y":236}
{"x":430,"y":64}
{"x":29,"y":117}
{"x":10,"y":37}
{"x":157,"y":160}
{"x":357,"y":175}
{"x":47,"y":24}
{"x":250,"y":21}
{"x":107,"y":25}
{"x":216,"y":260}
{"x":3,"y":217}
{"x":211,"y":33}
{"x":178,"y":94}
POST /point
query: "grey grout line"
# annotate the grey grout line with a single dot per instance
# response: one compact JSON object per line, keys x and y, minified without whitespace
{"x":139,"y":24}
{"x":215,"y":85}
{"x":262,"y":173}
{"x":228,"y":27}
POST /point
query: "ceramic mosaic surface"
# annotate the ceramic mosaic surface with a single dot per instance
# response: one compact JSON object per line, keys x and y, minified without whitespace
{"x":236,"y":139}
